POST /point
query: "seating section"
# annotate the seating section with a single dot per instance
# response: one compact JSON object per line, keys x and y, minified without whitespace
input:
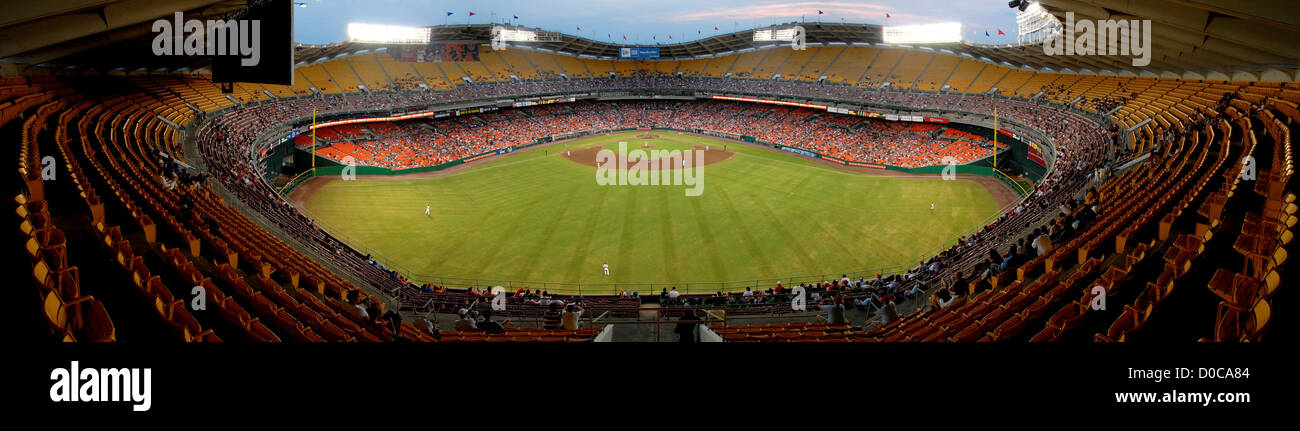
{"x":882,"y":67}
{"x":430,"y":143}
{"x":1146,"y":239}
{"x":909,"y":68}
{"x":792,"y":332}
{"x":520,"y":335}
{"x":937,"y":72}
{"x":851,"y":65}
{"x":372,"y":74}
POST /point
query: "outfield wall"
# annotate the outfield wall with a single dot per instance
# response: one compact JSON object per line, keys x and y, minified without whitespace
{"x":978,"y":167}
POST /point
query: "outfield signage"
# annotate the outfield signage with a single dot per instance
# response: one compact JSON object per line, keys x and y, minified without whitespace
{"x":770,"y":102}
{"x":543,"y":102}
{"x":638,"y":52}
{"x":481,"y":156}
{"x":460,"y":112}
{"x":800,"y":151}
{"x":1034,"y":155}
{"x":893,"y":117}
{"x":411,"y":116}
{"x":846,"y":111}
{"x":936,"y":120}
{"x":377,"y":119}
{"x":853,"y":163}
{"x":291,"y":135}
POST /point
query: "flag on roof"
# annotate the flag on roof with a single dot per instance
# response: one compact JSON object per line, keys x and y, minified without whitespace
{"x":1000,"y":33}
{"x":450,"y":13}
{"x":819,"y":12}
{"x":625,"y":37}
{"x":986,"y":33}
{"x":472,"y":14}
{"x":886,"y":15}
{"x":516,"y":16}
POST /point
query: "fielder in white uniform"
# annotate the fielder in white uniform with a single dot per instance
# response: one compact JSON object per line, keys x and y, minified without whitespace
{"x":606,"y":269}
{"x":426,"y":209}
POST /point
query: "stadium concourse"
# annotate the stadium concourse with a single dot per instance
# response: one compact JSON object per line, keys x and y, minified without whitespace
{"x":409,"y":145}
{"x":1146,"y":196}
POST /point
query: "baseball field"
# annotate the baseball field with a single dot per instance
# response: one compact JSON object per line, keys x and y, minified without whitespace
{"x":540,"y":215}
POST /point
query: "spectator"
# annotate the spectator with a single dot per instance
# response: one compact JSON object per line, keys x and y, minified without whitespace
{"x":686,"y":330}
{"x":466,"y":321}
{"x":551,"y":320}
{"x":834,"y":310}
{"x":1043,"y":243}
{"x":888,"y":313}
{"x":571,"y":318}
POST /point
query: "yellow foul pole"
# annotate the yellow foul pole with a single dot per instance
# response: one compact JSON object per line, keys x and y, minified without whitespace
{"x":313,"y":140}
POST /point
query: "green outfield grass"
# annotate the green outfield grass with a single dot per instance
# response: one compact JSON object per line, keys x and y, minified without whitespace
{"x":763,"y":214}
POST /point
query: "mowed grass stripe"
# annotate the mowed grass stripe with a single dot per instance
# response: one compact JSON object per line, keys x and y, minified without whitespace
{"x":547,"y":229}
{"x":807,"y":258}
{"x":710,"y":245}
{"x":589,"y":229}
{"x":627,"y":242}
{"x":666,"y":234}
{"x":739,"y":223}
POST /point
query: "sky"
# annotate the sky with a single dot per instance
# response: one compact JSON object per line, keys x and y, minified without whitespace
{"x":648,"y":22}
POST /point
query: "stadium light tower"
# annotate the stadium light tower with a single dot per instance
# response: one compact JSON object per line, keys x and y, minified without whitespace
{"x":378,"y":33}
{"x":945,"y":32}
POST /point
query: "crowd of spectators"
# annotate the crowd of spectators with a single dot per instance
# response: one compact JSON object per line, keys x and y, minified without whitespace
{"x":421,"y":143}
{"x":229,"y":149}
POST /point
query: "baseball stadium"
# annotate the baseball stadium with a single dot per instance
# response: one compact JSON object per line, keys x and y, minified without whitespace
{"x":481,"y":178}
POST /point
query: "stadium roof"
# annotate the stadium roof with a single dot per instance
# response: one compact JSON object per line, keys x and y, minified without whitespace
{"x":85,"y":33}
{"x":712,"y":45}
{"x":1200,"y":36}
